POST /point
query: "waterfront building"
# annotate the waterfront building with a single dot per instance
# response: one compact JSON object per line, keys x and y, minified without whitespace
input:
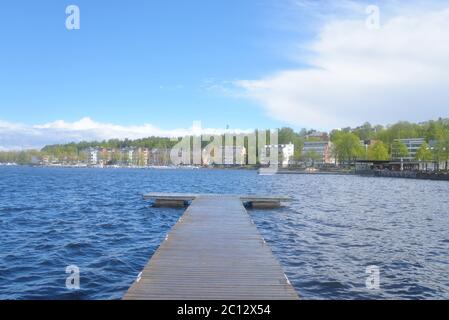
{"x":369,"y":166}
{"x":93,"y":156}
{"x":127,"y":156}
{"x":159,"y":157}
{"x":45,"y":160}
{"x":286,"y":153}
{"x":140,"y":157}
{"x":320,"y":150}
{"x":412,"y":144}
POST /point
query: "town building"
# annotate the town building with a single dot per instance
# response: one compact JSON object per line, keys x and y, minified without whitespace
{"x":159,"y":157}
{"x":412,"y":144}
{"x":93,"y":156}
{"x":45,"y":160}
{"x":140,"y":157}
{"x":320,"y":152}
{"x":286,"y":154}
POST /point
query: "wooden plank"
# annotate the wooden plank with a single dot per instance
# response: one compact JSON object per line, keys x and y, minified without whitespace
{"x":214,"y":252}
{"x":170,"y":196}
{"x":190,"y":196}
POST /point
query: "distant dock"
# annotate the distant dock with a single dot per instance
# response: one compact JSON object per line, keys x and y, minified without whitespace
{"x":214,"y":252}
{"x":328,"y":173}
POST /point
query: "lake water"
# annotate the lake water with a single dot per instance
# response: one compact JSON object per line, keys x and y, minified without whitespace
{"x":335,"y":227}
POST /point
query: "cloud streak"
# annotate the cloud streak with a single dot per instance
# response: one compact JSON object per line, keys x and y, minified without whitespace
{"x":398,"y":72}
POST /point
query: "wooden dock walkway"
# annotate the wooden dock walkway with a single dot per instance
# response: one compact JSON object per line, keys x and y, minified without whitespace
{"x":214,"y":252}
{"x":182,"y":199}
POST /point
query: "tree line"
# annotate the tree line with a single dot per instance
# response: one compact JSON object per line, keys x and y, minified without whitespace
{"x":386,"y":144}
{"x":346,"y":143}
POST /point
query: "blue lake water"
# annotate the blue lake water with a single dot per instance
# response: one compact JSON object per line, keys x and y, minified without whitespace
{"x":335,"y":227}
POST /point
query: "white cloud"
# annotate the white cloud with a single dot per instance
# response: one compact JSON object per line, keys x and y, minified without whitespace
{"x":14,"y":136}
{"x":399,"y":72}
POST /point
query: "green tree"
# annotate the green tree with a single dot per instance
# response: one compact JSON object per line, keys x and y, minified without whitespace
{"x":400,"y":130}
{"x":286,"y":135}
{"x":20,"y":157}
{"x":434,"y":130}
{"x":311,"y":156}
{"x":442,"y":147}
{"x":378,"y":151}
{"x":364,"y":132}
{"x":299,"y":144}
{"x":346,"y":146}
{"x":424,"y":153}
{"x":399,"y":150}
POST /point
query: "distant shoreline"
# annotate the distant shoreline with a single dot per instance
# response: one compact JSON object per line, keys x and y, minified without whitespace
{"x":130,"y":167}
{"x":282,"y":171}
{"x":336,"y":173}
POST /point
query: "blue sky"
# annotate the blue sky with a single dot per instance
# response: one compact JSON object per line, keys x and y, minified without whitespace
{"x":139,"y":68}
{"x":135,"y":62}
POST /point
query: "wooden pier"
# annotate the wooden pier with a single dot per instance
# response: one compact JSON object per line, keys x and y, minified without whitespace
{"x":184,"y":199}
{"x":214,"y":252}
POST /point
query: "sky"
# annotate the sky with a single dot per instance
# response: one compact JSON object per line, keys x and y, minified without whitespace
{"x":140,"y":68}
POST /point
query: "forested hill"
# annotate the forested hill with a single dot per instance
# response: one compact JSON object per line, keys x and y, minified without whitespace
{"x":151,"y":143}
{"x":430,"y":130}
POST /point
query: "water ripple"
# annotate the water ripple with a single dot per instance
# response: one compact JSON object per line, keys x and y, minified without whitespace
{"x":325,"y":238}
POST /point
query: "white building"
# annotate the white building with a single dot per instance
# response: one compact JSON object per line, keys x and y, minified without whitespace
{"x":93,"y":156}
{"x":286,"y":153}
